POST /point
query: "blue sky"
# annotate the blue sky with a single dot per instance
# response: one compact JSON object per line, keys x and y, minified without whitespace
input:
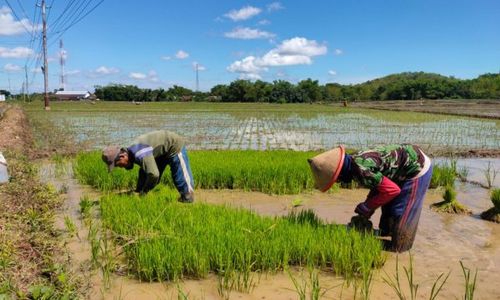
{"x":157,"y":43}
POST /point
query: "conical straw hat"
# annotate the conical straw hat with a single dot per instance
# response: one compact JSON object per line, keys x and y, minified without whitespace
{"x":326,"y":167}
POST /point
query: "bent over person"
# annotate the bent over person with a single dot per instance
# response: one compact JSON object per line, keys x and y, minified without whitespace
{"x":153,"y":152}
{"x":398,"y":177}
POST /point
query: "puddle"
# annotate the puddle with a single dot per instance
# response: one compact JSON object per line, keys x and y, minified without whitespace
{"x":442,"y":241}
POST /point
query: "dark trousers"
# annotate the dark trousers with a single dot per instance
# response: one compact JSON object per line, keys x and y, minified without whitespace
{"x":400,"y":216}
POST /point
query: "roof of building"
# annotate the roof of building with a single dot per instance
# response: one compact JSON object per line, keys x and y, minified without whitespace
{"x":72,"y":93}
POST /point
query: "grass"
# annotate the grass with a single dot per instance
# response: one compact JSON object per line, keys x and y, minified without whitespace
{"x":276,"y":172}
{"x":493,"y":214}
{"x":450,"y":203}
{"x":166,"y":240}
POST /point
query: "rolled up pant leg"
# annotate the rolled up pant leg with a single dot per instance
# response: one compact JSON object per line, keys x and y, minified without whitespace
{"x":400,"y":217}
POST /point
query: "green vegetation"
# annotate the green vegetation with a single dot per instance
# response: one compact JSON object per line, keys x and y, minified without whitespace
{"x":403,"y":86}
{"x":395,"y":282}
{"x":444,"y":174}
{"x":166,"y":240}
{"x":32,"y":260}
{"x":493,"y":214}
{"x":450,"y":203}
{"x":277,"y":172}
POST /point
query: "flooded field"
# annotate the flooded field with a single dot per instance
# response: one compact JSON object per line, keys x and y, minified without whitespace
{"x":265,"y":127}
{"x":442,"y":241}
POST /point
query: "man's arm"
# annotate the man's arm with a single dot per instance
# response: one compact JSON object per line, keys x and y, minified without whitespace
{"x":382,"y":194}
{"x":149,"y":176}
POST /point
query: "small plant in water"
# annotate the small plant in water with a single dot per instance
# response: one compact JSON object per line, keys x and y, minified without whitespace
{"x":470,"y":283}
{"x":450,"y":203}
{"x":395,"y":282}
{"x":493,"y":214}
{"x":490,"y":174}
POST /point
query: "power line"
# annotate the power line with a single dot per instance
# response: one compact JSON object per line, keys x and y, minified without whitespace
{"x":17,"y":18}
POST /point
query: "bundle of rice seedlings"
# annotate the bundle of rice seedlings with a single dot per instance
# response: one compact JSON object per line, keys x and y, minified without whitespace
{"x":493,"y":214}
{"x":450,"y":203}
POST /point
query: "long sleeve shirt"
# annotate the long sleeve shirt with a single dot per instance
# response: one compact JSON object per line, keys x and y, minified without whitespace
{"x":150,"y":147}
{"x":383,"y":170}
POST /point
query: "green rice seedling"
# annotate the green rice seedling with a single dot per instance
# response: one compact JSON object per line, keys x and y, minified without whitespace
{"x":170,"y":240}
{"x":395,"y":282}
{"x":71,"y":227}
{"x":300,"y":287}
{"x":443,"y":174}
{"x":297,"y":202}
{"x":493,"y":214}
{"x":463,"y":173}
{"x":85,"y":206}
{"x":470,"y":283}
{"x":274,"y":172}
{"x":450,"y":203}
{"x":304,"y":216}
{"x":490,"y":174}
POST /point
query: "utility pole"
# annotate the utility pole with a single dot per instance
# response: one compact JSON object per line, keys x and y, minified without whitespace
{"x":197,"y":79}
{"x":45,"y":67}
{"x":26,"y":79}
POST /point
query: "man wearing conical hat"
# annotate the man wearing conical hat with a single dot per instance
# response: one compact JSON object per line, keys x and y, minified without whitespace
{"x":152,"y":152}
{"x":398,"y":177}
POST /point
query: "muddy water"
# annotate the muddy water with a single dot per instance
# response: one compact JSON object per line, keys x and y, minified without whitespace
{"x":442,"y":241}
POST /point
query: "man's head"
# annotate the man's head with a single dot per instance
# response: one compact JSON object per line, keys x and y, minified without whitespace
{"x":114,"y":156}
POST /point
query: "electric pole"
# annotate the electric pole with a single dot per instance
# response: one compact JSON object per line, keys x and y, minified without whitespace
{"x":45,"y":67}
{"x":26,"y":78}
{"x":197,"y":79}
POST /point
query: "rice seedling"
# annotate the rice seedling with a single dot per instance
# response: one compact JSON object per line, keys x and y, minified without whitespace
{"x":493,"y":214}
{"x":450,"y":203}
{"x":307,"y":286}
{"x":276,"y":172}
{"x":71,"y":227}
{"x":443,"y":174}
{"x":165,"y":240}
{"x":85,"y":206}
{"x":470,"y":283}
{"x":490,"y":174}
{"x":395,"y":282}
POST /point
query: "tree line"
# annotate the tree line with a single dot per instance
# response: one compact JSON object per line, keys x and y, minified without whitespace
{"x":403,"y":86}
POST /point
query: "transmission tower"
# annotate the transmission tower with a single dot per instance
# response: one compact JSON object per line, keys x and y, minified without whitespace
{"x":62,"y":58}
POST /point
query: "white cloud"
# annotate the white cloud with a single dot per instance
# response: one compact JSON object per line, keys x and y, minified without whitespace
{"x":137,"y":75}
{"x":301,"y":46}
{"x":264,"y":22}
{"x":295,"y":51}
{"x":18,"y":52}
{"x":246,"y":33}
{"x":166,"y":57}
{"x":72,"y":72}
{"x":250,"y":76}
{"x":243,"y":14}
{"x":181,"y":54}
{"x":332,"y":72}
{"x":338,"y":52}
{"x":200,"y":66}
{"x":249,"y":64}
{"x":10,"y":26}
{"x":275,"y":6}
{"x":11,"y":68}
{"x":102,"y":70}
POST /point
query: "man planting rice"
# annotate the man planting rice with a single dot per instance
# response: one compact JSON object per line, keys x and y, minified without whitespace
{"x":153,"y":152}
{"x":398,"y":177}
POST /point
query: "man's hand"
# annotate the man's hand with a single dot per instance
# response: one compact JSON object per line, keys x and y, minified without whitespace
{"x":363,"y":210}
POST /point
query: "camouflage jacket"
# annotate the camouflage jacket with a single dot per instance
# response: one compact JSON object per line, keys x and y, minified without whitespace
{"x":396,"y":162}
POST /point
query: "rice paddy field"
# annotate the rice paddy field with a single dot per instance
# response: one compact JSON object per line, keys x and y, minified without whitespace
{"x":257,"y":229}
{"x":242,"y":126}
